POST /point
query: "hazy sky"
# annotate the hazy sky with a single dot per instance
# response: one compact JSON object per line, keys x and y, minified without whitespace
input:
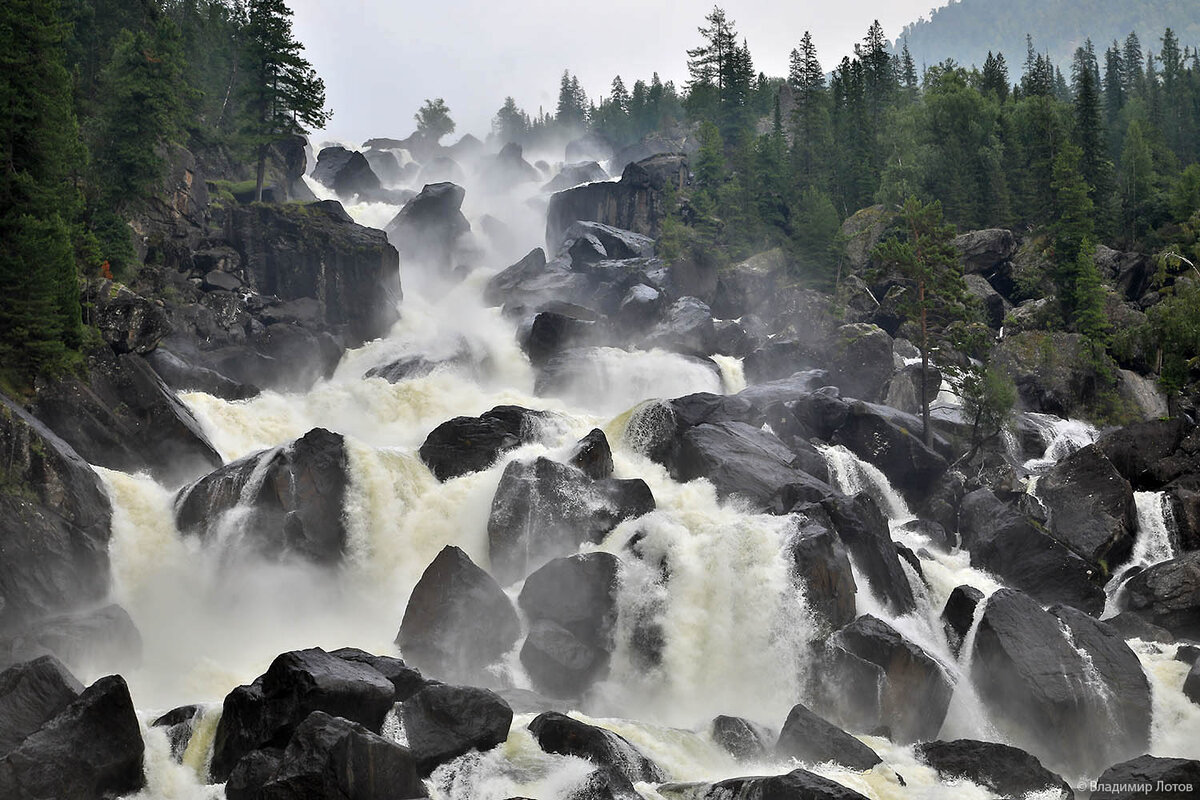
{"x":381,"y":59}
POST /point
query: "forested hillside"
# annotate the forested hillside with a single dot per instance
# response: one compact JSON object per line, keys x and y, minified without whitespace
{"x":966,"y":30}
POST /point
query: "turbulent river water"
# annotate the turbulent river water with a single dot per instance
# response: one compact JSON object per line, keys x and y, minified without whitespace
{"x":736,"y":630}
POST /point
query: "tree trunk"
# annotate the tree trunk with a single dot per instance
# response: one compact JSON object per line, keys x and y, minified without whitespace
{"x":261,"y":174}
{"x":926,"y":431}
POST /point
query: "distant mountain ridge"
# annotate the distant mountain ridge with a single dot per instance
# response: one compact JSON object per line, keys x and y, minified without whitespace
{"x":966,"y":30}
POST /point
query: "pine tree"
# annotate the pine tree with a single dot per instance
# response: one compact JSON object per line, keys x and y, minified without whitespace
{"x":433,"y":120}
{"x":1114,"y":85}
{"x":1089,"y":131}
{"x":510,"y":124}
{"x":994,"y":80}
{"x":1135,"y":76}
{"x":811,"y":136}
{"x":879,"y":78}
{"x":284,"y":93}
{"x":571,"y":112}
{"x":1136,"y":182}
{"x":1072,"y":227}
{"x":908,"y":71}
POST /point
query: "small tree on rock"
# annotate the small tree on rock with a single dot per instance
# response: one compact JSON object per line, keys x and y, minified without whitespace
{"x":433,"y":120}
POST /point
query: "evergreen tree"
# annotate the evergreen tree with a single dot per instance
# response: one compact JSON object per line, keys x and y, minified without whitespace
{"x":1136,"y":182}
{"x":879,"y":78}
{"x":1135,"y":76}
{"x":283,"y":92}
{"x":433,"y":120}
{"x":908,"y":71}
{"x":994,"y":80}
{"x":815,"y":225}
{"x":1089,"y":131}
{"x":1072,"y":227}
{"x":571,"y":112}
{"x":811,"y":136}
{"x":510,"y":124}
{"x":1114,"y":86}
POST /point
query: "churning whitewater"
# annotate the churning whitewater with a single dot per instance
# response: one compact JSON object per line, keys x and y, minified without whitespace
{"x":713,"y":580}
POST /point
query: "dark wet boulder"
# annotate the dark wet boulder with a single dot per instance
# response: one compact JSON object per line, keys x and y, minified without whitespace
{"x":182,"y":375}
{"x":444,"y":722}
{"x":545,"y":509}
{"x":333,"y":757}
{"x":634,"y":203}
{"x":180,"y":724}
{"x":861,"y":361}
{"x":593,"y":456}
{"x":572,"y":175}
{"x":558,"y":733}
{"x":891,"y":440}
{"x":55,"y":524}
{"x":604,"y":783}
{"x":458,"y":620}
{"x":558,"y":663}
{"x":821,"y":563}
{"x":252,"y":773}
{"x":959,"y":614}
{"x":296,"y":495}
{"x":315,"y":251}
{"x":1152,"y":454}
{"x":798,"y":784}
{"x":128,"y":322}
{"x":91,"y":749}
{"x":121,"y":415}
{"x":1147,"y":777}
{"x":617,"y":244}
{"x":507,"y":169}
{"x":551,"y":332}
{"x":1191,"y":684}
{"x":1131,"y":274}
{"x":31,"y":694}
{"x":1019,"y":549}
{"x":347,"y":172}
{"x":741,"y":738}
{"x":577,"y":593}
{"x":982,"y":252}
{"x":266,"y":712}
{"x":1004,"y":769}
{"x":916,"y":690}
{"x":1091,"y":507}
{"x":641,"y":307}
{"x":406,"y":680}
{"x":864,"y":530}
{"x":1026,"y":669}
{"x":1131,"y":626}
{"x":686,"y":327}
{"x":1168,"y":595}
{"x":386,"y":166}
{"x":428,"y":228}
{"x":903,"y":391}
{"x":471,"y":444}
{"x":813,"y":740}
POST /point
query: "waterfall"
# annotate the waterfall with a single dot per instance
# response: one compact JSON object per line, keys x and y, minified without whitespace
{"x":853,"y":475}
{"x":1061,"y":437}
{"x":1152,"y":545}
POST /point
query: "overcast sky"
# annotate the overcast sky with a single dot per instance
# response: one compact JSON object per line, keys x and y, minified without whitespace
{"x":380,"y":59}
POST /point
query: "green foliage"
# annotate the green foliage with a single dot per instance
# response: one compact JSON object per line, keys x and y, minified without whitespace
{"x":433,"y":120}
{"x":815,"y":225}
{"x":988,"y":396}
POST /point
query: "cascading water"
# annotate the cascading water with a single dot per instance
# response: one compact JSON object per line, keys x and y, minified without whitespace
{"x":1152,"y":545}
{"x":1061,"y":437}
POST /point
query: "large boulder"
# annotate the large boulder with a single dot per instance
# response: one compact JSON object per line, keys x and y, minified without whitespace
{"x":1151,"y":455}
{"x":1148,"y":776}
{"x":55,"y":524}
{"x":812,"y":740}
{"x":799,"y":784}
{"x":103,"y":638}
{"x":958,"y":615}
{"x":331,"y":757}
{"x":1019,"y":549}
{"x":572,"y":175}
{"x":317,"y":252}
{"x":443,"y":722}
{"x":1055,"y":373}
{"x":741,"y":738}
{"x":558,"y":733}
{"x":1026,"y":670}
{"x":546,"y":509}
{"x":686,"y":327}
{"x":347,"y":172}
{"x":864,"y":530}
{"x":31,"y":694}
{"x":267,"y":712}
{"x":294,"y":496}
{"x":122,"y":416}
{"x":128,"y":322}
{"x":1168,"y":595}
{"x":916,"y":690}
{"x":458,"y":620}
{"x":1004,"y":769}
{"x":821,"y":563}
{"x":891,"y":440}
{"x":983,"y":252}
{"x":1131,"y":274}
{"x":470,"y":444}
{"x":507,"y":169}
{"x":617,"y":244}
{"x":861,"y":361}
{"x":429,"y":226}
{"x":633,"y":203}
{"x":91,"y":749}
{"x":1091,"y":507}
{"x":862,"y":231}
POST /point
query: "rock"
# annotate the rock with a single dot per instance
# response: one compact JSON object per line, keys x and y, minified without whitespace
{"x":1021,"y":551}
{"x":268,"y":711}
{"x":862,"y":361}
{"x":1006,"y":770}
{"x":559,"y":663}
{"x":1191,"y":684}
{"x":577,"y":593}
{"x":92,"y":748}
{"x":746,"y":287}
{"x":316,"y":251}
{"x":406,"y":680}
{"x":1152,"y":454}
{"x":558,"y":733}
{"x":1131,"y":274}
{"x":820,"y":561}
{"x":1091,"y":507}
{"x":810,"y":739}
{"x":982,"y":252}
{"x":864,"y":530}
{"x":617,"y":244}
{"x":593,"y":456}
{"x":182,"y":376}
{"x":1147,"y":776}
{"x":634,"y":203}
{"x":103,"y":638}
{"x":55,"y":524}
{"x":959,"y":615}
{"x":1055,"y":373}
{"x":862,"y":231}
{"x":798,"y":783}
{"x":333,"y":757}
{"x":605,"y":783}
{"x":687,"y":327}
{"x":123,"y":417}
{"x":507,"y":169}
{"x":31,"y":694}
{"x":385,"y":165}
{"x":1125,"y":696}
{"x":641,"y":307}
{"x":572,"y":175}
{"x":221,"y":281}
{"x":995,"y":307}
{"x":1168,"y":595}
{"x":550,"y":333}
{"x":128,"y":322}
{"x":1025,"y":669}
{"x":891,"y":441}
{"x":252,"y":773}
{"x":180,"y":724}
{"x":1132,"y":626}
{"x":347,"y":173}
{"x":471,"y":444}
{"x":547,"y":509}
{"x":296,"y":502}
{"x":444,"y":722}
{"x":916,"y":691}
{"x":458,"y":621}
{"x":903,"y":391}
{"x":1142,"y":395}
{"x":429,"y":226}
{"x":741,"y":738}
